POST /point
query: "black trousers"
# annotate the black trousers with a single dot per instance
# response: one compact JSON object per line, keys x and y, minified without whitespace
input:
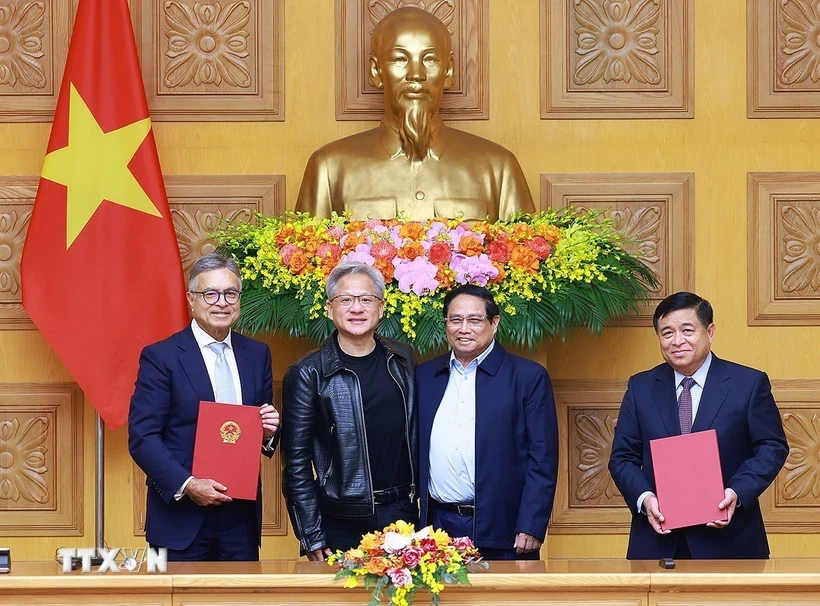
{"x":346,"y":533}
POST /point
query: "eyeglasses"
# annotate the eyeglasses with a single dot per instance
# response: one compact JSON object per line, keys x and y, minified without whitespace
{"x":472,"y":321}
{"x":211,"y":297}
{"x":364,"y":300}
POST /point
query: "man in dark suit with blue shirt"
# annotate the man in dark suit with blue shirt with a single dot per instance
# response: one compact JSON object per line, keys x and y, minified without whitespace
{"x":695,"y":391}
{"x":488,"y":435}
{"x":192,"y":517}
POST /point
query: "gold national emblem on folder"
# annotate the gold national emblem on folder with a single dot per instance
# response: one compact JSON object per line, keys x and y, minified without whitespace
{"x":230,"y":432}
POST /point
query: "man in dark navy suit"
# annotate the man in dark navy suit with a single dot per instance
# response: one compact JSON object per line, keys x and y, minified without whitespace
{"x":695,"y":391}
{"x":192,"y":517}
{"x":488,"y":435}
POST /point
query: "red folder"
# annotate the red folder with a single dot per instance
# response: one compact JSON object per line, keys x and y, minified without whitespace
{"x":688,"y":479}
{"x":228,"y":447}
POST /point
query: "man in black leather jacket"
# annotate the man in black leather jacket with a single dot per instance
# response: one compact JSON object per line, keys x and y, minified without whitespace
{"x":350,"y":415}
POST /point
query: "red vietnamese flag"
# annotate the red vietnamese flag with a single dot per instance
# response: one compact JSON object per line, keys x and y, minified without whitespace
{"x":101,"y":271}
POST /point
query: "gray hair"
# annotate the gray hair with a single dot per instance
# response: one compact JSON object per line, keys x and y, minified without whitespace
{"x":211,"y":262}
{"x":351,"y":268}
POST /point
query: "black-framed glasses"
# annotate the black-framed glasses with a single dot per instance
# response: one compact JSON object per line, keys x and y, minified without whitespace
{"x":472,"y":321}
{"x":348,"y":300}
{"x":211,"y":297}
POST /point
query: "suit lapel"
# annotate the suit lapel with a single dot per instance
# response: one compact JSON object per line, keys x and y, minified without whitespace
{"x":191,"y":359}
{"x":244,"y":365}
{"x":666,"y":400}
{"x":714,"y":394}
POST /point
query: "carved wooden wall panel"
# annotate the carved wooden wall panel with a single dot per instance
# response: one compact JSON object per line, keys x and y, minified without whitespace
{"x":617,"y":59}
{"x":208,"y":60}
{"x":16,"y":200}
{"x":274,"y":512}
{"x":468,"y":22}
{"x":200,"y":203}
{"x":783,"y":60}
{"x":34,"y":36}
{"x":792,"y":502}
{"x":784,"y":257}
{"x":586,"y":499}
{"x":654,"y":212}
{"x":41,"y":459}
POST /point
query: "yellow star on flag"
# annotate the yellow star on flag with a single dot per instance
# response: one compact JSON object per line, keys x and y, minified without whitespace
{"x":94,"y":167}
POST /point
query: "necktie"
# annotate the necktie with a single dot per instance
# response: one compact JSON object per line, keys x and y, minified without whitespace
{"x":225,"y":390}
{"x":685,"y":405}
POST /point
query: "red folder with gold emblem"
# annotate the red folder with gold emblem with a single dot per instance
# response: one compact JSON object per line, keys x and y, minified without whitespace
{"x":688,"y":479}
{"x":228,"y":447}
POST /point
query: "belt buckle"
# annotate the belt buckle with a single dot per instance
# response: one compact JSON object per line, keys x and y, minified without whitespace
{"x":466,"y":510}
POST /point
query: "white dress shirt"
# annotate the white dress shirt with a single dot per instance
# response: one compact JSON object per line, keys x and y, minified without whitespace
{"x":452,"y":440}
{"x":697,"y":391}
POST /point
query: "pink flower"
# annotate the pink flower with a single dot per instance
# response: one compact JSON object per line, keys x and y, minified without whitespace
{"x":473,"y":270}
{"x":540,"y":247}
{"x":499,"y":251}
{"x":463,"y":543}
{"x":287,"y":252}
{"x":412,"y":556}
{"x":418,"y":275}
{"x":361,"y":254}
{"x":371,"y":223}
{"x":400,"y":577}
{"x":336,"y":232}
{"x":395,"y":541}
{"x":439,"y":253}
{"x":436,"y":227}
{"x":383,"y":249}
{"x":327,"y":250}
{"x":461,"y":231}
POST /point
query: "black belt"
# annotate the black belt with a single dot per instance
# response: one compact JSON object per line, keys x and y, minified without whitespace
{"x":392,"y":495}
{"x":460,"y":509}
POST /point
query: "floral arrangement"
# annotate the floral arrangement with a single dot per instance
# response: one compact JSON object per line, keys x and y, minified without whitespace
{"x":398,"y":561}
{"x":548,"y":272}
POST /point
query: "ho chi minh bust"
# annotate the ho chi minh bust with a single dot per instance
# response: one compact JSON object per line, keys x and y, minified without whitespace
{"x":412,"y":163}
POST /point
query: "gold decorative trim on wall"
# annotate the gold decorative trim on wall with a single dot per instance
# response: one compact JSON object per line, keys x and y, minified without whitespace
{"x":792,"y":503}
{"x":220,"y":61}
{"x":41,"y":460}
{"x":16,"y":201}
{"x":37,"y":33}
{"x":586,"y":499}
{"x":468,"y":22}
{"x":654,"y":212}
{"x":200,"y":202}
{"x":782,"y":77}
{"x":784,"y":266}
{"x":274,"y":519}
{"x":612,"y":59}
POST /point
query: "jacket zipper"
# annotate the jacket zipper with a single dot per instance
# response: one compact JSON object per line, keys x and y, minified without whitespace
{"x":366,"y":449}
{"x":329,"y":461}
{"x":406,"y":431}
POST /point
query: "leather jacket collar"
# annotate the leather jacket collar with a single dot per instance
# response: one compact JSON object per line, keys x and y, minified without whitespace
{"x":331,"y":362}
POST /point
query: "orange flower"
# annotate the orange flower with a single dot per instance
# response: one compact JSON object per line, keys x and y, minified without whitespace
{"x":282,"y":236}
{"x":378,"y":566}
{"x":386,"y":267}
{"x":550,"y":233}
{"x":371,"y":542}
{"x":444,"y":277}
{"x":470,"y":246}
{"x":391,"y":222}
{"x":411,"y":251}
{"x":298,"y":262}
{"x":524,"y":258}
{"x":522,"y":231}
{"x":501,"y":273}
{"x":355,"y":226}
{"x":413,"y":230}
{"x":353,"y":240}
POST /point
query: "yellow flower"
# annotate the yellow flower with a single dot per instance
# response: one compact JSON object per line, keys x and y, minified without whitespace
{"x":441,"y":538}
{"x":351,"y":582}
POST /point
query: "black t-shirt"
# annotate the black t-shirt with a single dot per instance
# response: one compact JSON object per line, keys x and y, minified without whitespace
{"x":384,"y":418}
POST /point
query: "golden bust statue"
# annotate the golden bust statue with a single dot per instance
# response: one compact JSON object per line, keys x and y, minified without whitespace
{"x":412,"y":163}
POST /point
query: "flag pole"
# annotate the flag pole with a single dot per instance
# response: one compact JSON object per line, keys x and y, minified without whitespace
{"x":99,"y":485}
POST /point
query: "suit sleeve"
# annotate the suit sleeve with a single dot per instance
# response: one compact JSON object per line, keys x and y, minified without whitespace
{"x":267,"y":398}
{"x":626,"y":461}
{"x":768,"y":444}
{"x":147,"y":419}
{"x":542,"y":459}
{"x":298,"y":485}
